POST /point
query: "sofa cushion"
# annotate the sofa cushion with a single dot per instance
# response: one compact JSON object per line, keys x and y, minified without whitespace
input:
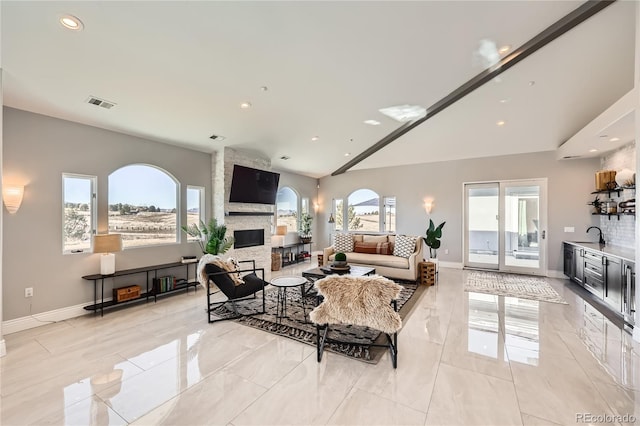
{"x":376,"y":260}
{"x":343,"y":243}
{"x":373,"y":248}
{"x":405,"y":245}
{"x":392,"y":238}
{"x":357,"y":238}
{"x":374,"y":238}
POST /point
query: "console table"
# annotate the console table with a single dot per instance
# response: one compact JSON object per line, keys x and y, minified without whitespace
{"x":150,"y":272}
{"x":292,"y":253}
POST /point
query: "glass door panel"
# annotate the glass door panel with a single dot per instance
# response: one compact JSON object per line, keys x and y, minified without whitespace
{"x":481,"y":220}
{"x":523,"y":235}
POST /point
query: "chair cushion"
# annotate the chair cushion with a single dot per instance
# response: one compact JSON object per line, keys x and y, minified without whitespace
{"x":223,"y":281}
{"x":375,"y":238}
{"x":252,"y":284}
{"x":363,"y":301}
{"x":405,"y":245}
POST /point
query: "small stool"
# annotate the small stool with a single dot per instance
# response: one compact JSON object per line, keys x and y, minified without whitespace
{"x":320,"y":260}
{"x":427,"y":273}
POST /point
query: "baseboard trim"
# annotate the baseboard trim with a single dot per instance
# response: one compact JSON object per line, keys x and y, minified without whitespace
{"x":450,"y":265}
{"x":552,"y":273}
{"x":36,"y":320}
{"x":3,"y":348}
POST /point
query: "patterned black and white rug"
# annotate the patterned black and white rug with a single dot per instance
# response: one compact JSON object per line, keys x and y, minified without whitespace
{"x":357,"y":339}
{"x":512,"y":285}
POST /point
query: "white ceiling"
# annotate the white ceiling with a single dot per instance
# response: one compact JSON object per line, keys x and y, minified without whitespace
{"x":179,"y":70}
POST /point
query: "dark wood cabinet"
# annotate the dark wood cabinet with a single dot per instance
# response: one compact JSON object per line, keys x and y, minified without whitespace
{"x":613,"y":281}
{"x":578,"y":265}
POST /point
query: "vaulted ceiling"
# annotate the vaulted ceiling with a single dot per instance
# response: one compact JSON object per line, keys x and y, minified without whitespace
{"x":178,"y":72}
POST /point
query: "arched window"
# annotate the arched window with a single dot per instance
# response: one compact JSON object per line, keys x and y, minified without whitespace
{"x":143,"y":205}
{"x":363,"y":211}
{"x":287,"y":208}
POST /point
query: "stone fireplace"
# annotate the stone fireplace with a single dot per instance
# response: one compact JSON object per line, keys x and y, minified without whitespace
{"x":242,"y":217}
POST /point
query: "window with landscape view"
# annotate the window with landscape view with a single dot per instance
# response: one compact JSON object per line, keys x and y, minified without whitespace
{"x":78,"y":212}
{"x":195,"y":207}
{"x":363,"y":211}
{"x":143,"y":205}
{"x":287,"y":208}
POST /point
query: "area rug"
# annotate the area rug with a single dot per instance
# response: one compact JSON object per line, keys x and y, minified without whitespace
{"x":512,"y":285}
{"x":357,"y":339}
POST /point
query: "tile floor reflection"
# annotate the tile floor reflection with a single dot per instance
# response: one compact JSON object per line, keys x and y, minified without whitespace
{"x":464,"y":358}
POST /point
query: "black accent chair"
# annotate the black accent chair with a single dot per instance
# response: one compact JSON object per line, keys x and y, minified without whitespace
{"x":234,"y":293}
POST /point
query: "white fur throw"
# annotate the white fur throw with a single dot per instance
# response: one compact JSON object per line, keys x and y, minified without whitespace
{"x":364,"y":301}
{"x":228,"y":265}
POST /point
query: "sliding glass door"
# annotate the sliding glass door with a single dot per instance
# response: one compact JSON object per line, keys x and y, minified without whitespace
{"x":505,"y":226}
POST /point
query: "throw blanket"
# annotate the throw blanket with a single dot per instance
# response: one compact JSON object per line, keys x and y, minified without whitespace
{"x":364,"y":301}
{"x":230,"y":265}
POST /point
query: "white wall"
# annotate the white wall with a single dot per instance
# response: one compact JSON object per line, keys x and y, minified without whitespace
{"x":37,"y":150}
{"x":570,"y":183}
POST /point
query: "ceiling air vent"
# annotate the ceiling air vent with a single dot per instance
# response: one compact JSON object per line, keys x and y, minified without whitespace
{"x":217,"y":138}
{"x":100,"y":102}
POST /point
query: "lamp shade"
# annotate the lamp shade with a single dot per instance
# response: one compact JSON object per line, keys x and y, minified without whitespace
{"x":12,"y":196}
{"x":107,"y":243}
{"x":281,"y":230}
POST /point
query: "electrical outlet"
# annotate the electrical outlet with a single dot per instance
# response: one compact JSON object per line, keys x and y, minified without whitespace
{"x":446,"y":251}
{"x":569,"y":229}
{"x":28,"y":292}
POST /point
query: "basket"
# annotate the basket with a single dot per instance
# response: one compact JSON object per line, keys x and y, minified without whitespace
{"x":276,"y":261}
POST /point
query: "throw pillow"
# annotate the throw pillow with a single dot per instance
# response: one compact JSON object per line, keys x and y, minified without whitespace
{"x":343,"y":243}
{"x":405,"y":245}
{"x":231,"y":266}
{"x":373,"y":248}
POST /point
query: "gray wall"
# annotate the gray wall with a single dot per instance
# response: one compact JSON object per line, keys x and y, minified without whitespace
{"x":37,"y":150}
{"x":305,"y":187}
{"x":569,"y":185}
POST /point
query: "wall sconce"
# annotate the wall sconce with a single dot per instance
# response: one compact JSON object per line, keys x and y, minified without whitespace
{"x":107,"y":244}
{"x":315,"y":207}
{"x":428,"y":206}
{"x":12,"y":196}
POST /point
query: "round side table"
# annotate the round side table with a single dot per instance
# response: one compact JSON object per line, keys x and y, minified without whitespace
{"x":283,"y":283}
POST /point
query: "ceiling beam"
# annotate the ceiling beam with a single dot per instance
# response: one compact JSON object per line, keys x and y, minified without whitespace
{"x":555,"y":30}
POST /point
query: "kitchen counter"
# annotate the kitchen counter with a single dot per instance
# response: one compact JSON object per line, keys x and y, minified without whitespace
{"x":621,"y":252}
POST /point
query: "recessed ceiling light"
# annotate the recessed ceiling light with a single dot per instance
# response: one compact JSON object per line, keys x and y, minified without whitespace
{"x":264,"y":88}
{"x":71,"y":22}
{"x":532,"y":83}
{"x":614,"y":139}
{"x":372,"y":122}
{"x":593,"y":150}
{"x":245,"y":105}
{"x":346,"y":154}
{"x":315,"y":138}
{"x":504,"y":101}
{"x":500,"y":123}
{"x":504,"y":49}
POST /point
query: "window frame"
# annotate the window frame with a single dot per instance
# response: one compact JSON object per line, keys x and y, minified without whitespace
{"x":178,"y":208}
{"x":202,"y":216}
{"x":381,"y":215}
{"x":93,"y":222}
{"x":298,"y":208}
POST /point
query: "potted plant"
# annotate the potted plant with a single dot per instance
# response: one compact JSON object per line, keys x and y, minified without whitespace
{"x":434,"y":233}
{"x":597,"y":205}
{"x":340,"y":260}
{"x":211,"y":236}
{"x":305,"y":227}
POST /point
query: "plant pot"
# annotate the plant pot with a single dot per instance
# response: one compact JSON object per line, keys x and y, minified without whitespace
{"x":339,"y":263}
{"x":305,"y":240}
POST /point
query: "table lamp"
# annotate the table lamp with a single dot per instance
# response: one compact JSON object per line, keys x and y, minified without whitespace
{"x":107,"y":244}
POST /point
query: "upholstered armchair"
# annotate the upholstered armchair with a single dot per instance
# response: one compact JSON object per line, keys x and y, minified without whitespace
{"x":234,"y":286}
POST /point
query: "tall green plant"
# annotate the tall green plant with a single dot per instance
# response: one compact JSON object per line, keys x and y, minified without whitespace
{"x":305,"y":224}
{"x":434,"y":233}
{"x":211,"y":236}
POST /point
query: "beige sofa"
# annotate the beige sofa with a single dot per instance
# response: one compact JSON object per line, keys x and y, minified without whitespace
{"x":387,"y":265}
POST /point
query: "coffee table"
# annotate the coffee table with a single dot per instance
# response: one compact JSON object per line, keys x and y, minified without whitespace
{"x":283,"y":283}
{"x":354,"y":270}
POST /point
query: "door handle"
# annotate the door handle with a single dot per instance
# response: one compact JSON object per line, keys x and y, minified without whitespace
{"x":544,"y":234}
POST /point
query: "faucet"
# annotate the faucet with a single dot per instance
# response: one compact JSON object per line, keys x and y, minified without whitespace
{"x":600,"y":239}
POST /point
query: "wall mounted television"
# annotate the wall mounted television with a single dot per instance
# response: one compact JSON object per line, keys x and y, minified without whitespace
{"x":253,"y":186}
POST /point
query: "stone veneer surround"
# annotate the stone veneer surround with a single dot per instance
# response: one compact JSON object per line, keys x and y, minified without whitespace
{"x":222,"y":172}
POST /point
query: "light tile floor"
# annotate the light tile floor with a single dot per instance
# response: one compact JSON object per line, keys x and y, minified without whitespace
{"x":464,"y":358}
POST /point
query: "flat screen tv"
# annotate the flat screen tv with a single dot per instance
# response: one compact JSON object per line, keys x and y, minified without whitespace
{"x":253,"y":186}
